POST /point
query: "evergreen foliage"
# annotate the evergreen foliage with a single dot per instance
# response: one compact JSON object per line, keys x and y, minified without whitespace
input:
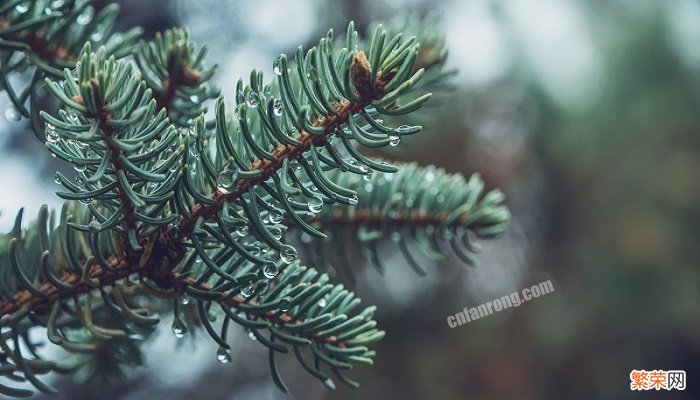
{"x":171,"y":213}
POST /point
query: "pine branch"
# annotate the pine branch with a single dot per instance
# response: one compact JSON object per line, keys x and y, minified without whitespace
{"x":40,"y":299}
{"x":175,"y":208}
{"x":421,"y":196}
{"x":292,"y":311}
{"x":49,"y":35}
{"x":423,"y":205}
{"x":328,"y":124}
{"x":174,"y":69}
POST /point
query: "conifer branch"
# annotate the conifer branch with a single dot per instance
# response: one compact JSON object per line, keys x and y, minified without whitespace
{"x":26,"y":301}
{"x":425,"y":206}
{"x":195,"y":213}
{"x":174,"y":69}
{"x":329,"y":124}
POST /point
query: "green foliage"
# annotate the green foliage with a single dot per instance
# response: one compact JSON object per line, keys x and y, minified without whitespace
{"x":123,"y":147}
{"x":439,"y":212}
{"x":170,"y":213}
{"x":174,"y":69}
{"x":45,"y":36}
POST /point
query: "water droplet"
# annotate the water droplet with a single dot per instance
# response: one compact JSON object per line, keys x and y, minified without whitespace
{"x":97,"y":36}
{"x":51,"y":134}
{"x":353,"y":200}
{"x":85,"y":201}
{"x":252,"y":100}
{"x":227,"y":179}
{"x":223,"y":355}
{"x":57,"y":179}
{"x":368,"y":176}
{"x":12,"y":114}
{"x":22,"y":7}
{"x":72,"y":117}
{"x":315,"y":204}
{"x":276,"y":67}
{"x":94,"y":226}
{"x":194,"y":98}
{"x":57,"y":3}
{"x":369,"y":187}
{"x":288,"y":254}
{"x":322,"y":302}
{"x":179,"y":329}
{"x":255,"y":250}
{"x":429,"y":176}
{"x":173,"y":167}
{"x":248,"y":290}
{"x":275,"y":216}
{"x":242,"y":230}
{"x":329,"y":384}
{"x":394,"y":214}
{"x":394,"y":140}
{"x":446,"y":234}
{"x":363,"y":168}
{"x":306,"y":238}
{"x":276,"y":232}
{"x":252,"y":336}
{"x":277,"y":107}
{"x":185,"y":300}
{"x":311,"y":73}
{"x":80,"y":167}
{"x":85,"y":17}
{"x":440,"y":198}
{"x":270,"y":270}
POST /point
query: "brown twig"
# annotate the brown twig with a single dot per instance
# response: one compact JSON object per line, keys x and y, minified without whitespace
{"x":39,"y":44}
{"x":374,"y":219}
{"x":121,"y":269}
{"x":177,"y":78}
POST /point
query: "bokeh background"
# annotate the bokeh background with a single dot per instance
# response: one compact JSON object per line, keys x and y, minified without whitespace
{"x":586,"y":113}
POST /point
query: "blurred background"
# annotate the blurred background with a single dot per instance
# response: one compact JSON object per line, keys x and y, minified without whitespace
{"x":585,"y":113}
